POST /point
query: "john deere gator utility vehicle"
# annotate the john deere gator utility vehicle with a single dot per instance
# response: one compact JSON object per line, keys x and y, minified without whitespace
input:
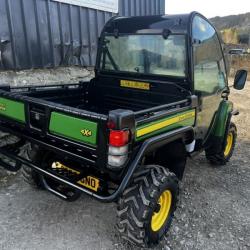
{"x":160,"y":94}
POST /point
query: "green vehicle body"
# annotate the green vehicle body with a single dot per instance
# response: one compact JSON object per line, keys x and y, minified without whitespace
{"x":221,"y":118}
{"x":178,"y":120}
{"x":144,"y":107}
{"x":71,"y":127}
{"x":12,"y":109}
{"x":205,"y":113}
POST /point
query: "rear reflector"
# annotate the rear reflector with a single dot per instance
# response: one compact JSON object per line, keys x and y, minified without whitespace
{"x":116,"y":161}
{"x":118,"y":150}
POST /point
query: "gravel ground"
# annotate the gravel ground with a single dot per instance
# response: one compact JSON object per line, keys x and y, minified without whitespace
{"x":213,"y":211}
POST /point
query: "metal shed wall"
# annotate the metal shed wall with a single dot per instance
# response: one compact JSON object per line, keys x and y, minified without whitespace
{"x":46,"y":34}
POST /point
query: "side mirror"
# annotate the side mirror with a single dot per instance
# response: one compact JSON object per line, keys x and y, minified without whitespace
{"x":240,"y":79}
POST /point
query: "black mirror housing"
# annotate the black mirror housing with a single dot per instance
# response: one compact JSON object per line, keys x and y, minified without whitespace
{"x":240,"y":79}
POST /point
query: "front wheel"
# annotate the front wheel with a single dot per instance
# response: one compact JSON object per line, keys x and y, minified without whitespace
{"x":224,"y":156}
{"x":146,"y":209}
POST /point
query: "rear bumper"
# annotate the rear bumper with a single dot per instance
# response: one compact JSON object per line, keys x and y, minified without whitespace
{"x":151,"y":144}
{"x":20,"y":160}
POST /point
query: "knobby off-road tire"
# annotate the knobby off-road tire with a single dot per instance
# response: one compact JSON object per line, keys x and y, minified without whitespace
{"x":29,"y":175}
{"x":142,"y":200}
{"x":221,"y":158}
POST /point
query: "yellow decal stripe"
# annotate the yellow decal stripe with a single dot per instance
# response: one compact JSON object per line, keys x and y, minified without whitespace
{"x":165,"y":123}
{"x":135,"y":85}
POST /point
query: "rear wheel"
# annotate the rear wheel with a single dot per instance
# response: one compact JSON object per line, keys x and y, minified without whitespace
{"x":146,"y":209}
{"x":224,"y":156}
{"x":29,"y":175}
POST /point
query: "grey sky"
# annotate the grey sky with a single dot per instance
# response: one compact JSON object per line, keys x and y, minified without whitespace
{"x":209,"y":8}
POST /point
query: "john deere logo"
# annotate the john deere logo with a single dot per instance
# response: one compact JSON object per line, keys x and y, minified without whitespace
{"x":2,"y":107}
{"x":86,"y":132}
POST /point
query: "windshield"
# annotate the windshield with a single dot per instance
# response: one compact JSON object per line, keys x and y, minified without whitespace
{"x":145,"y":54}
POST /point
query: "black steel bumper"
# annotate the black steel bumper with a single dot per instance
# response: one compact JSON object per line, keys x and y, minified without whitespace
{"x":151,"y":144}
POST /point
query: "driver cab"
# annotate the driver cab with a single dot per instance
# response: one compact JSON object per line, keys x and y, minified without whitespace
{"x":209,"y":72}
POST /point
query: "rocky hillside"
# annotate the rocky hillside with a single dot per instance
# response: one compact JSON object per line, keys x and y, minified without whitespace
{"x":241,"y":21}
{"x":235,"y":29}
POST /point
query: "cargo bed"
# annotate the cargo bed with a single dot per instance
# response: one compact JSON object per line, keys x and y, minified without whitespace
{"x":72,"y":119}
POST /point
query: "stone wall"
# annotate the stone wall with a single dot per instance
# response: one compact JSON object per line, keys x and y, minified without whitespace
{"x":61,"y":75}
{"x":237,"y":62}
{"x":64,"y":75}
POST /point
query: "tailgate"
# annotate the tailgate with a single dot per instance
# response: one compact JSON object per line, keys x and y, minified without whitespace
{"x":73,"y":128}
{"x":12,"y":109}
{"x":49,"y":119}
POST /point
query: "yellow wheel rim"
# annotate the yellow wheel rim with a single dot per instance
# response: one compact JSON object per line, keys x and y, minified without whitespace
{"x":229,"y":144}
{"x":159,"y":218}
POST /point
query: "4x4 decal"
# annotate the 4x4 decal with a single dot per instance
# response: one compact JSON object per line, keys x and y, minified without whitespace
{"x":2,"y":107}
{"x":86,"y":132}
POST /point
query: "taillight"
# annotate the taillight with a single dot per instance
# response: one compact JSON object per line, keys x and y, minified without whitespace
{"x":118,"y":138}
{"x":118,"y":148}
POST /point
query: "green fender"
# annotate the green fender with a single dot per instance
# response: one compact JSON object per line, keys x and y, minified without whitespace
{"x":219,"y":127}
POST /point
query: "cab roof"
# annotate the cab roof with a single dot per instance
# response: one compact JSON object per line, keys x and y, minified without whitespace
{"x":150,"y":24}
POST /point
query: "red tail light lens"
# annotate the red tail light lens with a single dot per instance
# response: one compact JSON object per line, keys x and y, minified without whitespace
{"x":118,"y":138}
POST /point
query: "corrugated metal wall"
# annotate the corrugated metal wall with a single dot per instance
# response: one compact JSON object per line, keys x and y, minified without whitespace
{"x":141,"y":7}
{"x":45,"y":34}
